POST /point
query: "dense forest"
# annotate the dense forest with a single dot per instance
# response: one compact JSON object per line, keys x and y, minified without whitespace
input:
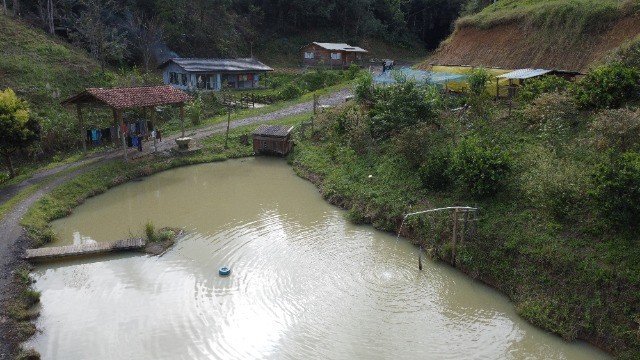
{"x":124,"y":32}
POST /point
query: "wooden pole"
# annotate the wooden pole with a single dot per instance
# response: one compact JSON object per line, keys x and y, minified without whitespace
{"x":182,"y":118}
{"x":497,"y":89}
{"x":124,"y":141}
{"x":83,"y":133}
{"x":420,"y":259}
{"x":115,"y":123}
{"x":226,"y":139}
{"x":454,"y":237}
{"x":155,"y":131}
{"x":314,"y":103}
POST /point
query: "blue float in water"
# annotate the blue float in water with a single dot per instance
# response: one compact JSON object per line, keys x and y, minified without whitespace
{"x":224,"y":271}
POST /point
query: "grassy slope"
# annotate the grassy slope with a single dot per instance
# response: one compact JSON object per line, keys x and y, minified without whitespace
{"x":552,"y":34}
{"x":39,"y":68}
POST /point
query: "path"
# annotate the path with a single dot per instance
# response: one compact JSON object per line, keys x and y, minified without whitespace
{"x":13,"y":242}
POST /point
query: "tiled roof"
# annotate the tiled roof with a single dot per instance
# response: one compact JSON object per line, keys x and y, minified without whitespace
{"x":203,"y":65}
{"x":131,"y":97}
{"x":273,"y":130}
{"x":340,"y":46}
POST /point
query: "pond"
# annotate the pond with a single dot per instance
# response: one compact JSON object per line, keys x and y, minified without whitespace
{"x":304,"y":282}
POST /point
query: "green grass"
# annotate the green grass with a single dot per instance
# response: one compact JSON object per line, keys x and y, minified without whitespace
{"x":578,"y":17}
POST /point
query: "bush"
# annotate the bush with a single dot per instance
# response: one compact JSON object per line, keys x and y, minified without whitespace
{"x":150,"y":231}
{"x":608,"y":86}
{"x":538,"y":86}
{"x":194,"y":110}
{"x":617,"y":129}
{"x":616,"y":190}
{"x":290,"y":92}
{"x":551,"y":116}
{"x":434,"y":171}
{"x":319,"y":79}
{"x":479,"y":168}
{"x":398,"y":106}
{"x":363,"y":88}
{"x":478,"y":79}
{"x":554,"y":184}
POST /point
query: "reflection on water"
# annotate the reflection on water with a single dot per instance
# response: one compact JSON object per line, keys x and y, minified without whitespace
{"x":304,"y":283}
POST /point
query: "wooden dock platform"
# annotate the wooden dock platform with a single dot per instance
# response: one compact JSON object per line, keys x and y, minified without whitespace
{"x":84,"y":249}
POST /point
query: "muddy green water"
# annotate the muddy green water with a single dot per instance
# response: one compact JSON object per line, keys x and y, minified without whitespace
{"x":305,"y":284}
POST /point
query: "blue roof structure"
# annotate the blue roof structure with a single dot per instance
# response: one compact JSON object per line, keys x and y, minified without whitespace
{"x":419,"y":76}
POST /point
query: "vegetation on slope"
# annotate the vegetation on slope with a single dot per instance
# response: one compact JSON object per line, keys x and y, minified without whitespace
{"x":574,"y":16}
{"x":556,"y":184}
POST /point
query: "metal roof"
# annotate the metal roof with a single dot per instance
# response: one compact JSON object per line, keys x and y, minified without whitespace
{"x":204,"y":65}
{"x":130,"y":97}
{"x":524,"y":74}
{"x":340,"y":46}
{"x":273,"y":130}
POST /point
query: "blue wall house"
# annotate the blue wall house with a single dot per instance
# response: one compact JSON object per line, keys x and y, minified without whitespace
{"x":212,"y":74}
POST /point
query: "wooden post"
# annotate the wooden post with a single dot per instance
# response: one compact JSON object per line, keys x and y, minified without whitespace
{"x":497,"y":89}
{"x":226,"y":139}
{"x":155,"y":131}
{"x":182,"y":118}
{"x":124,"y":141}
{"x":83,"y":133}
{"x":454,"y":237}
{"x":115,"y":123}
{"x":314,"y":103}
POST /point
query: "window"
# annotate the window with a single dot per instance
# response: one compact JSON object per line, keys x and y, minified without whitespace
{"x":308,"y":55}
{"x":184,"y":80}
{"x":336,"y":56}
{"x":173,"y":78}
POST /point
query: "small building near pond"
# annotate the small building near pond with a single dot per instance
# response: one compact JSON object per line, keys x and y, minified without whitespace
{"x":331,"y":55}
{"x":213,"y":74}
{"x":272,"y":140}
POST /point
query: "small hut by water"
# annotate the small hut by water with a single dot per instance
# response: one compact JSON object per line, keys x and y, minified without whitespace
{"x":272,"y":140}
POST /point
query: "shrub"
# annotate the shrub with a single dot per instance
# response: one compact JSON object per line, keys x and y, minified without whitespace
{"x":538,"y":86}
{"x":434,"y":171}
{"x":290,"y":91}
{"x":554,"y":184}
{"x":478,"y":79}
{"x":608,"y":86}
{"x":480,"y":168}
{"x":616,"y":190}
{"x":401,"y":105}
{"x":194,"y":110}
{"x":319,"y":79}
{"x":617,"y":129}
{"x":150,"y":231}
{"x":363,"y":88}
{"x":551,"y":116}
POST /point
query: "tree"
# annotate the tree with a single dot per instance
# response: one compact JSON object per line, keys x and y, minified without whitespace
{"x":97,"y":31}
{"x":146,"y":33}
{"x":17,"y":128}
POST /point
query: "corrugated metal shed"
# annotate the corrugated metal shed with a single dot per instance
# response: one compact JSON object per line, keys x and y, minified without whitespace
{"x":340,"y":46}
{"x":210,"y":65}
{"x":273,"y":130}
{"x":521,"y":74}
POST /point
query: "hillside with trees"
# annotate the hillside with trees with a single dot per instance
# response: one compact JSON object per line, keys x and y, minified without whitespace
{"x":123,"y":32}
